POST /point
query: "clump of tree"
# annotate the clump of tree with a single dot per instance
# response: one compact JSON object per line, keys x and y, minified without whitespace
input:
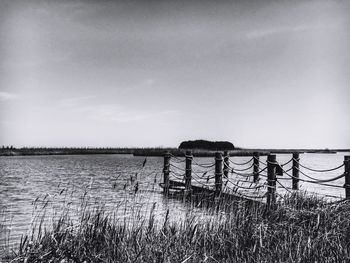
{"x":207,"y":145}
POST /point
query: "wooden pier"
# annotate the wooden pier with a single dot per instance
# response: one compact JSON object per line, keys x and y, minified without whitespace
{"x":223,"y":176}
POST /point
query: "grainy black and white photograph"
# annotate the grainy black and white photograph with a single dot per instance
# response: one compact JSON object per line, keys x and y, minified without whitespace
{"x":174,"y":131}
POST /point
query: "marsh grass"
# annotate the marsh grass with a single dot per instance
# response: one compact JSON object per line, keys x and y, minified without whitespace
{"x":300,"y":228}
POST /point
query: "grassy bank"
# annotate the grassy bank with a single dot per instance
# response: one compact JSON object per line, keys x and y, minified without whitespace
{"x":299,"y":229}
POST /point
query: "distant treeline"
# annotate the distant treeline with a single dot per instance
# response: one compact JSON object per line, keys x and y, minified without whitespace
{"x":156,"y":151}
{"x":135,"y":151}
{"x":81,"y":150}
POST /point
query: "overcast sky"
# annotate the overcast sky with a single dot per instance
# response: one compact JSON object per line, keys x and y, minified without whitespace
{"x":154,"y":73}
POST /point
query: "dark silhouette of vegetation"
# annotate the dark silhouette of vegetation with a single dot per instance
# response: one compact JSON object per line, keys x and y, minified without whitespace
{"x":156,"y":151}
{"x":199,"y":148}
{"x":8,"y":151}
{"x":207,"y":145}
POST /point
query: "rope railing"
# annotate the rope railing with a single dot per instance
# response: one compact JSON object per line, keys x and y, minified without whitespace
{"x":244,"y":163}
{"x":262,"y":170}
{"x":242,"y":170}
{"x":317,"y":170}
{"x":232,"y":171}
{"x":247,"y":174}
{"x":315,"y":181}
{"x":284,"y":179}
{"x":263,"y":163}
{"x":177,"y":174}
{"x":238,"y":180}
{"x":290,"y":169}
{"x":202,"y":176}
{"x":245,"y":187}
{"x":204,"y":165}
{"x":284,"y":164}
{"x":201,"y":183}
{"x":307,"y":176}
{"x":283,"y":186}
{"x":204,"y":171}
{"x":182,"y":178}
{"x":177,"y":160}
{"x":330,"y":185}
{"x":179,"y":168}
{"x":242,"y":174}
{"x":248,"y":178}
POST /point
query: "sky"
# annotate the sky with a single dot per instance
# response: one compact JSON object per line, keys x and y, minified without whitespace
{"x":261,"y":74}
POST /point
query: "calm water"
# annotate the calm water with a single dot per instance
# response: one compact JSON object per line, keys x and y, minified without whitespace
{"x":32,"y":185}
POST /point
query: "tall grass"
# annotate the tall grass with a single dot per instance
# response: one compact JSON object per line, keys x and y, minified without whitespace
{"x":299,"y":229}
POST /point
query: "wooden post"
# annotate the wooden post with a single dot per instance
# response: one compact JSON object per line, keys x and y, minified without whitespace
{"x":226,"y":164}
{"x":188,"y":174}
{"x":295,"y":179}
{"x":256,"y":166}
{"x":347,"y":176}
{"x":218,"y":173}
{"x":271,"y":179}
{"x":166,"y":171}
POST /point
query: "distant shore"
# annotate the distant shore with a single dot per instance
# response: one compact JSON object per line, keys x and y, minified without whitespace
{"x":151,"y":151}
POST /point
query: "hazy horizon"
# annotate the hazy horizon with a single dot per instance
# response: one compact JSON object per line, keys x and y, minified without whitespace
{"x":260,"y":74}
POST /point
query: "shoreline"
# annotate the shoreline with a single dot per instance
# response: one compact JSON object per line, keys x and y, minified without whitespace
{"x":153,"y":151}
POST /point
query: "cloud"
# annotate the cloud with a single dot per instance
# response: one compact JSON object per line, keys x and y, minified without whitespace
{"x":255,"y":34}
{"x":6,"y":96}
{"x":75,"y":101}
{"x":108,"y":112}
{"x":118,"y":113}
{"x":149,"y":82}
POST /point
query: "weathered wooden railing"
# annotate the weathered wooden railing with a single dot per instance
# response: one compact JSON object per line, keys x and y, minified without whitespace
{"x":221,"y":169}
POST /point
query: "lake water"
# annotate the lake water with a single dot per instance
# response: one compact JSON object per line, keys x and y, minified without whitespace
{"x":33,"y":185}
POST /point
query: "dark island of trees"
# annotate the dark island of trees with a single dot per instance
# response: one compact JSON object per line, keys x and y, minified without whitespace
{"x":207,"y":145}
